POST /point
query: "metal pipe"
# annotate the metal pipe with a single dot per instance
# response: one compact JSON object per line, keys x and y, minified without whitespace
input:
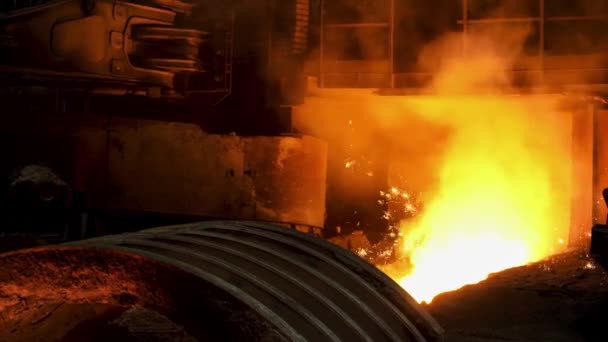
{"x":531,"y":19}
{"x":541,"y":43}
{"x":465,"y":23}
{"x":577,"y":18}
{"x":322,"y":47}
{"x":358,"y":25}
{"x":392,"y":42}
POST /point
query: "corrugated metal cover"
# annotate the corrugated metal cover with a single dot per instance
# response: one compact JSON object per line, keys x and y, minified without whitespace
{"x":307,"y":288}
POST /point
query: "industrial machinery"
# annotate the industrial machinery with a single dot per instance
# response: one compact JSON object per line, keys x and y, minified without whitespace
{"x":125,"y":115}
{"x":158,"y":111}
{"x":131,"y":114}
{"x":140,"y":113}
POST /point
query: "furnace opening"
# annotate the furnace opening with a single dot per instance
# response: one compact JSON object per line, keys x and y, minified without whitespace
{"x":480,"y":172}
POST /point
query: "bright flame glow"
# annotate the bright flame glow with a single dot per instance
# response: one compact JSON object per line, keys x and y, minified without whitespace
{"x":492,"y":170}
{"x":501,"y":187}
{"x":492,"y":173}
{"x":485,"y":254}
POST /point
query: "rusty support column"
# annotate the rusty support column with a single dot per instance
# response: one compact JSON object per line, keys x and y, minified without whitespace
{"x":600,"y":164}
{"x":322,"y":47}
{"x":465,"y":24}
{"x":582,"y":175}
{"x":541,"y":44}
{"x":392,"y":42}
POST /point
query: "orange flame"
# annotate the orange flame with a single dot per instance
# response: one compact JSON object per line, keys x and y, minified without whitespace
{"x":502,"y":196}
{"x":495,"y":188}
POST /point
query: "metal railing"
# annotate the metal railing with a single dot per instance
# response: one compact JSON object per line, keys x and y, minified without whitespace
{"x":541,"y":20}
{"x":389,"y":25}
{"x":466,"y":22}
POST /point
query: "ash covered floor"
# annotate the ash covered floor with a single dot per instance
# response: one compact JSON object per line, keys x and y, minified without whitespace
{"x":563,"y":298}
{"x":63,"y":322}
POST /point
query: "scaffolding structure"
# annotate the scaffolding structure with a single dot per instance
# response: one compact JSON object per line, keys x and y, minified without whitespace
{"x":560,"y":69}
{"x":541,"y":20}
{"x":388,"y":26}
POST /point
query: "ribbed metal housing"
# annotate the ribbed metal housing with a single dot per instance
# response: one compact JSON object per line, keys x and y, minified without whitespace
{"x":307,"y":288}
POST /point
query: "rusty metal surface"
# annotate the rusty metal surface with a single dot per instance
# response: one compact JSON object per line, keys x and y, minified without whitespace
{"x":72,"y":287}
{"x":104,"y":42}
{"x":307,"y":288}
{"x":177,"y":169}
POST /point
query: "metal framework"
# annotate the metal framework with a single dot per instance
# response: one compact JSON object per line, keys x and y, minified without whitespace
{"x":466,"y":22}
{"x":388,"y":25}
{"x":541,"y":19}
